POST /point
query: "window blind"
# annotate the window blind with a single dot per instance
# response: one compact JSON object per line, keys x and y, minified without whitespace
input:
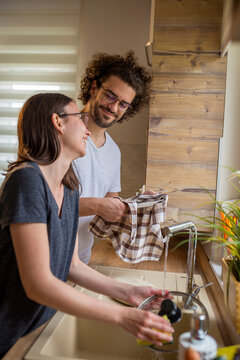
{"x":38,"y":53}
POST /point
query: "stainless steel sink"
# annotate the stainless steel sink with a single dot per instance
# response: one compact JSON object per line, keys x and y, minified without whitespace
{"x":67,"y":337}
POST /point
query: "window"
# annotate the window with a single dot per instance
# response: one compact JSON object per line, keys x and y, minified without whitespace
{"x":229,"y":145}
{"x":38,"y":53}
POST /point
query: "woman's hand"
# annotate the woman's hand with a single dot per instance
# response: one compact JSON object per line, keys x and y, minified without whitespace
{"x":136,"y":294}
{"x":145,"y":325}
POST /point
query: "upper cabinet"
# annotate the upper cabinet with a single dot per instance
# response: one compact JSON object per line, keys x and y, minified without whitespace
{"x":231,"y":23}
{"x":187,"y":106}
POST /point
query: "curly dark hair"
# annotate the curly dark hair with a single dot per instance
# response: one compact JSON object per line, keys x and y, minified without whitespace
{"x":103,"y":65}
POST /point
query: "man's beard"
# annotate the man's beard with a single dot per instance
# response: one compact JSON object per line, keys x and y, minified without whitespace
{"x":94,"y":112}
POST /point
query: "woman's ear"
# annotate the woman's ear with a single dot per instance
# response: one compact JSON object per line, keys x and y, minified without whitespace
{"x":57,"y":123}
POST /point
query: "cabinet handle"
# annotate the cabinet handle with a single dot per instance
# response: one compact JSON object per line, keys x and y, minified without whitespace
{"x":148,"y":49}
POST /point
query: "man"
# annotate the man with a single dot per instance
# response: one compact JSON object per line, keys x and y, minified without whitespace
{"x":113,"y":89}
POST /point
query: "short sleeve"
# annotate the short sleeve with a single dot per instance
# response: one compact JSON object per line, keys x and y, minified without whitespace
{"x":23,"y":197}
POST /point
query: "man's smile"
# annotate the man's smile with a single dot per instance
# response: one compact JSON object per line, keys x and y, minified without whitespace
{"x":108,"y":111}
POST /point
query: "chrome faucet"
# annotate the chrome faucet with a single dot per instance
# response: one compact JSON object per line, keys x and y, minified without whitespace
{"x":192,"y":246}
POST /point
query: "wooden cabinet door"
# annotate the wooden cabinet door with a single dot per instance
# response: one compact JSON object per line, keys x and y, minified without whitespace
{"x":187,"y":105}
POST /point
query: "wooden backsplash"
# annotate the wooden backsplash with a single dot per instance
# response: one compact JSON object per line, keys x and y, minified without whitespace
{"x":187,"y":106}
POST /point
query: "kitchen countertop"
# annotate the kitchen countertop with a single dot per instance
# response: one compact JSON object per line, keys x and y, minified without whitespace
{"x":104,"y":255}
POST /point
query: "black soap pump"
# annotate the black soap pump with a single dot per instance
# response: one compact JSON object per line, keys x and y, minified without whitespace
{"x":170,"y":309}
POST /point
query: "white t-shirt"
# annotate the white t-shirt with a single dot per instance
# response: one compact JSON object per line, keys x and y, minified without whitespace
{"x":99,"y":173}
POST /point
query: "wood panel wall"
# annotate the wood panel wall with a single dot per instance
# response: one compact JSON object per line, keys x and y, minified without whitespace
{"x":187,"y":106}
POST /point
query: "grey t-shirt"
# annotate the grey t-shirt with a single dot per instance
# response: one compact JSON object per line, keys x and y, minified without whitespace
{"x":26,"y":198}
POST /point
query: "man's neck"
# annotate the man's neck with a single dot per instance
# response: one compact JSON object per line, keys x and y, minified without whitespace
{"x":98,"y":135}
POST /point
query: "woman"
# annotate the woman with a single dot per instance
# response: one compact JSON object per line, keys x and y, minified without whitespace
{"x":38,"y":246}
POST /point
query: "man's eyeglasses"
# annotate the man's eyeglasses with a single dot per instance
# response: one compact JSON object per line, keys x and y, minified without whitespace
{"x":111,"y":98}
{"x":82,"y":115}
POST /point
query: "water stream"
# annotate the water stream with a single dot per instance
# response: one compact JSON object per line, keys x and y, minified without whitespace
{"x":157,"y":356}
{"x":165,"y":262}
{"x":163,"y":356}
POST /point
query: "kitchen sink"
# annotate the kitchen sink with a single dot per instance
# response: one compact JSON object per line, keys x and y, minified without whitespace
{"x":68,"y":337}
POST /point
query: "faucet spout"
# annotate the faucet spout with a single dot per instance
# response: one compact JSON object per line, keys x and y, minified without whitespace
{"x":192,"y":246}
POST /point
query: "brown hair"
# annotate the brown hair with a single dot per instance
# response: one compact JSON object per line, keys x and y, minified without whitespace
{"x":37,"y":136}
{"x":103,"y":65}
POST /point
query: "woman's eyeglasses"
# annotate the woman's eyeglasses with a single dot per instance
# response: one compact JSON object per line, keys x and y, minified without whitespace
{"x":111,"y":98}
{"x":82,"y":116}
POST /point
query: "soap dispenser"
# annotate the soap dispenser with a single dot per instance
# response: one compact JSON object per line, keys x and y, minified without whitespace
{"x":197,"y":339}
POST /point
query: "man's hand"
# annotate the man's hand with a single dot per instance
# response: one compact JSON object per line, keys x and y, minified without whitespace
{"x":149,"y":192}
{"x":111,"y":209}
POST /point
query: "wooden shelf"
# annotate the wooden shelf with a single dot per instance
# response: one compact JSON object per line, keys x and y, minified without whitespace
{"x":231,"y":24}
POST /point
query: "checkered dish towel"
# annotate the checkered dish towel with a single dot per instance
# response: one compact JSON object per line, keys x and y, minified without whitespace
{"x":136,"y":237}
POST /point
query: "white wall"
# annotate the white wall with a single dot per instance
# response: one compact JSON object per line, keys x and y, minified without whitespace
{"x":115,"y":26}
{"x":230,"y":144}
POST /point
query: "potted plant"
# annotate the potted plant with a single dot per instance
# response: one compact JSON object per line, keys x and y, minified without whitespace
{"x":226,"y":232}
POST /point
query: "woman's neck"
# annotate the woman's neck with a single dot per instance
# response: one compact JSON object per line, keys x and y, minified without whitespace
{"x":53,"y":174}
